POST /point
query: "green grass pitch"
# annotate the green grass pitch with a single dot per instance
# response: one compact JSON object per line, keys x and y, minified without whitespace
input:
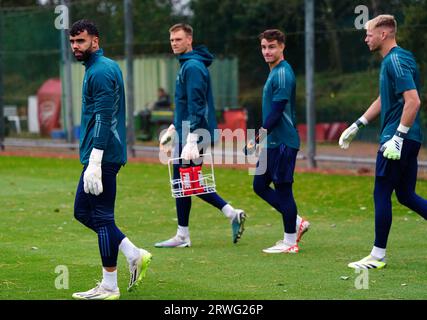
{"x":38,"y":233}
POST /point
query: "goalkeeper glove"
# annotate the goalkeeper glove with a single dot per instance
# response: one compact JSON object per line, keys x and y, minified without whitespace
{"x":252,"y":144}
{"x":92,"y":177}
{"x":166,"y":141}
{"x":392,"y":149}
{"x":348,"y":135}
{"x":190,"y":150}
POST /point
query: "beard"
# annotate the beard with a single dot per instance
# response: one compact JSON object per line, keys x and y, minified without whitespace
{"x":375,"y":48}
{"x":82,"y":55}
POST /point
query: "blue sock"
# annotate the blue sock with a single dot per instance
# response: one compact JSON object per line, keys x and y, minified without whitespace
{"x":405,"y":190}
{"x":383,"y":217}
{"x":281,"y":198}
{"x":413,"y":201}
{"x":109,"y":239}
{"x":287,"y":205}
{"x":183,"y":207}
{"x":213,"y":199}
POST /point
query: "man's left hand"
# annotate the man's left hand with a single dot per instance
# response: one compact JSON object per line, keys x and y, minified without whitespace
{"x":392,"y":149}
{"x":191,"y":150}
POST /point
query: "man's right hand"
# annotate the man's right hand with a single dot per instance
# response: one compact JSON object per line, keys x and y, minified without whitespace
{"x":348,"y":135}
{"x":92,"y":177}
{"x":166,"y":141}
{"x":251,"y":146}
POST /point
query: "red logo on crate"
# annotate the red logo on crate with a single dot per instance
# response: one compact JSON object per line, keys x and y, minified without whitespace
{"x":186,"y":174}
{"x":197,"y":177}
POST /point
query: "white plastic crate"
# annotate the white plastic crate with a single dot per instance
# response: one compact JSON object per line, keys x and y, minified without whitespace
{"x":206,"y":182}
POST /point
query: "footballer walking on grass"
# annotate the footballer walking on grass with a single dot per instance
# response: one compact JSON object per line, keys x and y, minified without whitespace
{"x":194,"y":111}
{"x":279,"y":127}
{"x":400,"y":137}
{"x":103,"y":153}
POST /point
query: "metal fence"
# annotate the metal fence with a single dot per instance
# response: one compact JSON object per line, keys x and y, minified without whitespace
{"x":153,"y":72}
{"x":346,"y":78}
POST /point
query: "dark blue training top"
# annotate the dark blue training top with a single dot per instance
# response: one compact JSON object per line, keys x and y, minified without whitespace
{"x":194,"y":104}
{"x":399,"y":73}
{"x":103,"y":119}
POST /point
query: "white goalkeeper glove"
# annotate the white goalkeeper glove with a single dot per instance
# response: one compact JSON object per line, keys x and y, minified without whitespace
{"x":92,"y":177}
{"x":392,"y":149}
{"x":190,"y":150}
{"x":166,"y":141}
{"x":348,"y":135}
{"x":252,"y":145}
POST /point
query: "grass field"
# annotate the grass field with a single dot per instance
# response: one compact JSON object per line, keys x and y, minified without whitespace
{"x":38,"y":233}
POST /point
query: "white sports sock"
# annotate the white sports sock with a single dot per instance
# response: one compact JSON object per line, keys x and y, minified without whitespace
{"x":109,"y":279}
{"x":183,"y":232}
{"x":130,"y":251}
{"x":378,"y":252}
{"x":228,"y":211}
{"x":299,"y":220}
{"x":290,"y":238}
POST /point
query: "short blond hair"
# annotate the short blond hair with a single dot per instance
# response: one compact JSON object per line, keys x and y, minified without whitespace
{"x":383,"y":20}
{"x":182,"y":26}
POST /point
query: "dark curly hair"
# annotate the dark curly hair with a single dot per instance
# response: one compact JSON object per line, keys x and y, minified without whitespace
{"x":82,"y":25}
